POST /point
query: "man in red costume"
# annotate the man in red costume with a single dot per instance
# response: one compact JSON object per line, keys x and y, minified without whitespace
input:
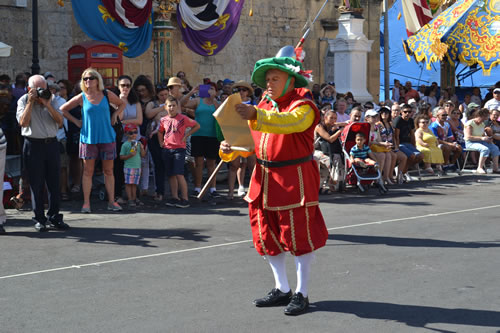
{"x":283,"y":193}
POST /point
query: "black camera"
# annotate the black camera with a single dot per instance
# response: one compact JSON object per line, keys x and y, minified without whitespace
{"x":43,"y":93}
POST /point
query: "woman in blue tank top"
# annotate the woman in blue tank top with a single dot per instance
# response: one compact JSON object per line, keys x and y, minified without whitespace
{"x":204,"y":143}
{"x":97,"y":137}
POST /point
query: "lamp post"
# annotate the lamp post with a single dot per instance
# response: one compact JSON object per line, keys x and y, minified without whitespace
{"x":162,"y":39}
{"x":387,"y":91}
{"x":35,"y":66}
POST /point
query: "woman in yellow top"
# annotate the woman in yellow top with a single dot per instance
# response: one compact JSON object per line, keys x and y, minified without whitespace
{"x":427,"y":144}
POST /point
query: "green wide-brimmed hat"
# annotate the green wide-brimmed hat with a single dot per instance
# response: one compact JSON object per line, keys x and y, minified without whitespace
{"x":286,"y":64}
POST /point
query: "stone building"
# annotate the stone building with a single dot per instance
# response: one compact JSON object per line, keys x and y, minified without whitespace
{"x":273,"y":25}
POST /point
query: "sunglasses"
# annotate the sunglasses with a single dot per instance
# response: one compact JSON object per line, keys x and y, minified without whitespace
{"x":133,"y":132}
{"x":455,"y":113}
{"x":424,"y":122}
{"x":444,"y":115}
{"x":124,"y":85}
{"x":242,"y":89}
{"x":405,"y":111}
{"x":89,"y":78}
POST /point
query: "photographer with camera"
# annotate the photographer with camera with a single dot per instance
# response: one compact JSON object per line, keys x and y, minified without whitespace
{"x":39,"y":120}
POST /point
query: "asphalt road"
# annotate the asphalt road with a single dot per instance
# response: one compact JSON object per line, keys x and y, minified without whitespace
{"x":423,"y":258}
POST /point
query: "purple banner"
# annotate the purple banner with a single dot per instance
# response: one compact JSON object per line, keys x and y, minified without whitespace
{"x":210,"y":41}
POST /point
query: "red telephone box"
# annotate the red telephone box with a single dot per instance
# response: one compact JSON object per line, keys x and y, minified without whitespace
{"x":107,"y":59}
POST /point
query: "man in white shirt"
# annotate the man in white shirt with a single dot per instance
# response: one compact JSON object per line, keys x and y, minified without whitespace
{"x":494,"y":103}
{"x":342,"y":116}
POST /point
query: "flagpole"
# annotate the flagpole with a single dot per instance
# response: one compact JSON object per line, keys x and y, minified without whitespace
{"x":303,"y":39}
{"x":387,"y":92}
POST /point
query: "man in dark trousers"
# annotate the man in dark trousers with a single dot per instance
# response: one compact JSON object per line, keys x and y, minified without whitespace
{"x":40,"y":121}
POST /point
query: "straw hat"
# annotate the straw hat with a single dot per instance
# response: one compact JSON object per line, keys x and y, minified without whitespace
{"x":244,"y":84}
{"x":174,"y":81}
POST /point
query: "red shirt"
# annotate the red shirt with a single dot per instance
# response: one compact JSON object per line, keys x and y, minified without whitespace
{"x":289,"y":186}
{"x":412,"y":93}
{"x":175,"y":128}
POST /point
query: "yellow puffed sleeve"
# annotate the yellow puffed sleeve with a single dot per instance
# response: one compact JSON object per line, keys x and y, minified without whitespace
{"x":295,"y":121}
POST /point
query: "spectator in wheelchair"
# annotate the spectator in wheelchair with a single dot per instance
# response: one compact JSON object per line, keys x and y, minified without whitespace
{"x":478,"y":140}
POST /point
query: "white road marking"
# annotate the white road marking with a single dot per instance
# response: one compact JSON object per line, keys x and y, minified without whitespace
{"x":239,"y":242}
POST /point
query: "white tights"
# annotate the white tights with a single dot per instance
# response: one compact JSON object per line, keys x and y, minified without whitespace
{"x":303,"y":267}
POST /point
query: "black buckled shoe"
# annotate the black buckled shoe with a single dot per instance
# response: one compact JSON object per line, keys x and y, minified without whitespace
{"x":57,"y":222}
{"x":274,"y":298}
{"x":297,"y":305}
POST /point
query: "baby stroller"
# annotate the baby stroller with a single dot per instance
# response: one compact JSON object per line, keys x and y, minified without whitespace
{"x":355,"y":175}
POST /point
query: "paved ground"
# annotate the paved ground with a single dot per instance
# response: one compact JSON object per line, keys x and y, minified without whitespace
{"x":422,"y":258}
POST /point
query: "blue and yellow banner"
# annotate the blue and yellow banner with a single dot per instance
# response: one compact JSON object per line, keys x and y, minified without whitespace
{"x":97,"y":22}
{"x":468,"y":32}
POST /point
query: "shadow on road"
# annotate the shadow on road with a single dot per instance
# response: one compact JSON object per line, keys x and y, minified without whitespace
{"x":118,"y":236}
{"x":411,"y":315}
{"x":409,"y":242}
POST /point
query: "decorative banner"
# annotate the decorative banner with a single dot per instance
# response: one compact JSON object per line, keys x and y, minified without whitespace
{"x":467,"y":32}
{"x":417,"y":14}
{"x":208,"y":25}
{"x":98,"y":23}
{"x":435,"y":6}
{"x":130,"y":13}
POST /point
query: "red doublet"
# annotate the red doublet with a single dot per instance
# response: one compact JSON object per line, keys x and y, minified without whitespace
{"x":283,"y":201}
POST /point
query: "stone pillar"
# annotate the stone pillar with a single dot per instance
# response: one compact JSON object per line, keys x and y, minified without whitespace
{"x":350,"y":49}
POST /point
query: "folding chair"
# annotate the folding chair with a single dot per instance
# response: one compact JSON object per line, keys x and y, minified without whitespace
{"x":467,"y":153}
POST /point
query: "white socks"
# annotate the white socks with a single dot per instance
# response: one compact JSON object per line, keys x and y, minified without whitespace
{"x":279,"y":271}
{"x":303,"y":265}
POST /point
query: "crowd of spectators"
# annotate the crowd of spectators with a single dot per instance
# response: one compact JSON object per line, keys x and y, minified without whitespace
{"x":137,"y":135}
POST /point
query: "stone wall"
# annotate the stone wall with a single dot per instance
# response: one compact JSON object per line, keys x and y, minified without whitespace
{"x":55,"y":35}
{"x":274,"y":24}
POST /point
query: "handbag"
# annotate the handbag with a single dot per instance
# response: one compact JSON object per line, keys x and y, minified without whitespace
{"x":379,"y":149}
{"x":118,"y":126}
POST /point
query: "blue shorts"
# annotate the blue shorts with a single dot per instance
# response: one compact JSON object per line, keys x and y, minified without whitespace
{"x":173,"y":159}
{"x":408,"y":149}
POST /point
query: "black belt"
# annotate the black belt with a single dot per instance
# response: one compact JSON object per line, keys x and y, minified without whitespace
{"x":277,"y":164}
{"x":46,"y":140}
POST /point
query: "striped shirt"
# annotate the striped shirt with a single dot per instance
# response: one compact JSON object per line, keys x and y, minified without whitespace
{"x":360,"y":153}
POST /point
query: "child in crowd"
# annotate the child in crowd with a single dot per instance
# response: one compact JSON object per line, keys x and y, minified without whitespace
{"x":361,"y":154}
{"x":172,"y":137}
{"x":328,"y":95}
{"x":131,"y":152}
